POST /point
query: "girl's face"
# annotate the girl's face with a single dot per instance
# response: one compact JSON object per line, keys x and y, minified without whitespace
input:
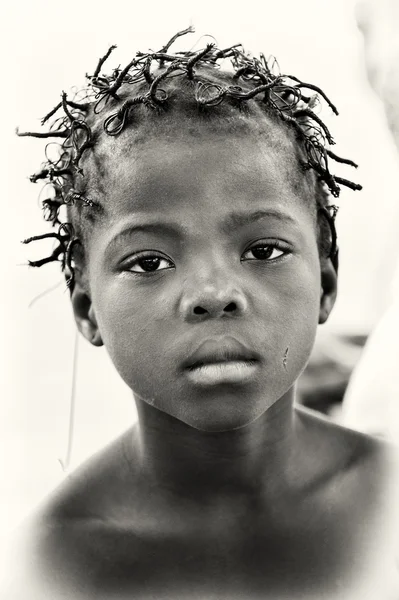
{"x":205,"y":239}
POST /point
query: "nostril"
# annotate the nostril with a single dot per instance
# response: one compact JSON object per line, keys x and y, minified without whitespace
{"x":199,"y":310}
{"x":230,"y":307}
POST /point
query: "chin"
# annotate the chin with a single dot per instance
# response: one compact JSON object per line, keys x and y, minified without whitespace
{"x":223,"y":422}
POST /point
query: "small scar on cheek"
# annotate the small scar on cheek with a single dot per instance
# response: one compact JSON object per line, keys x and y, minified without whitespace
{"x":285,"y":359}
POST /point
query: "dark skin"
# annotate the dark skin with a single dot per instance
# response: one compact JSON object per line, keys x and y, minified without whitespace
{"x":222,"y":490}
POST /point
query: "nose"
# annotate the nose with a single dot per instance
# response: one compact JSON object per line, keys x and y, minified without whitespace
{"x":217,"y":300}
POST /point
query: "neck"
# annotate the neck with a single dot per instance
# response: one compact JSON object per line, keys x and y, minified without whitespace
{"x":186,"y":460}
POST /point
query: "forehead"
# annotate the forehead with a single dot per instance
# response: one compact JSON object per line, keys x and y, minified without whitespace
{"x":201,"y":171}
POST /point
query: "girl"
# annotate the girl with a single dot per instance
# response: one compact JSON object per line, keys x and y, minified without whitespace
{"x":199,"y":247}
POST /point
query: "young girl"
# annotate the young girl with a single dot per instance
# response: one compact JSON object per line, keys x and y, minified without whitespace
{"x":199,"y":247}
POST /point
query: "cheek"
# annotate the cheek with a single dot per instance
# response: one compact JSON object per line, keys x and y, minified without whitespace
{"x":298,"y":318}
{"x":132,"y":329}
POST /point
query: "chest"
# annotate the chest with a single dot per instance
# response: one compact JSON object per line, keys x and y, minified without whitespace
{"x":252,"y":559}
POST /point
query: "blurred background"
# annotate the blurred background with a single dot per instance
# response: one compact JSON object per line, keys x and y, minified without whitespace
{"x":47,"y":47}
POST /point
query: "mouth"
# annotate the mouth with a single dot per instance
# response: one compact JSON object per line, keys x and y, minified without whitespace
{"x":226,"y":372}
{"x":220,"y":350}
{"x":222,"y":360}
{"x":222,"y":363}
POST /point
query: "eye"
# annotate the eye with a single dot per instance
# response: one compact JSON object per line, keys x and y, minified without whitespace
{"x":148,"y":263}
{"x":266,"y":251}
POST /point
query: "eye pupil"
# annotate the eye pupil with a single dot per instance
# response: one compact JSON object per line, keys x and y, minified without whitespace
{"x":262,"y":252}
{"x":149,"y":264}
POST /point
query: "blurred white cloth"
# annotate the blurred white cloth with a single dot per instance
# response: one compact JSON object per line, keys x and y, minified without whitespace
{"x":371,"y":402}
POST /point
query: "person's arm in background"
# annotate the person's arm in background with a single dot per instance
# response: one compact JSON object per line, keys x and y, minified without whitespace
{"x":371,"y":402}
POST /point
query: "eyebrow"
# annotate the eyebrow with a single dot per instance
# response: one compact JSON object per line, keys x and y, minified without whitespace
{"x":240,"y":219}
{"x":234,"y":221}
{"x":157,"y":227}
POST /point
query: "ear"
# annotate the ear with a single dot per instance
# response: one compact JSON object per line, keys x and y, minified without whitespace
{"x":328,"y":291}
{"x":84,"y":315}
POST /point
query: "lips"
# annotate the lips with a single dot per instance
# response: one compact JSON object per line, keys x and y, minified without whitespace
{"x":220,"y":350}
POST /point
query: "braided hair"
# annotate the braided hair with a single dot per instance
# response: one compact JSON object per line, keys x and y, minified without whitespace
{"x":110,"y":104}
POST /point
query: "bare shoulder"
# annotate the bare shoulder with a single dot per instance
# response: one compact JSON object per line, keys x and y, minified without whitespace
{"x":361,"y":465}
{"x":360,"y":490}
{"x":360,"y":444}
{"x":86,"y":493}
{"x":87,"y":499}
{"x":76,"y":522}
